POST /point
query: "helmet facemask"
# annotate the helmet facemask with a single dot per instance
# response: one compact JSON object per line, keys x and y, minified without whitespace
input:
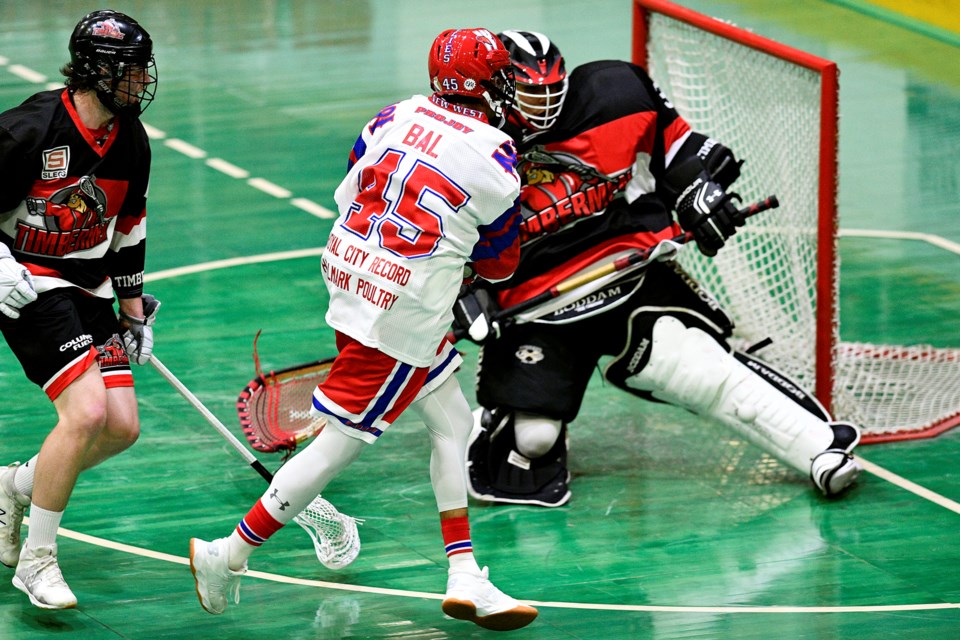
{"x":541,"y":79}
{"x":539,"y":104}
{"x":125,"y":88}
{"x":499,"y":94}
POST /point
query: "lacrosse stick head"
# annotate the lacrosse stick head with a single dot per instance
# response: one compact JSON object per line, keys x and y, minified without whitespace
{"x":274,"y":407}
{"x":334,"y":534}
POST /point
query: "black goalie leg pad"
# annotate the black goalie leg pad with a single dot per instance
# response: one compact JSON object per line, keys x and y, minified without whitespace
{"x":499,"y":473}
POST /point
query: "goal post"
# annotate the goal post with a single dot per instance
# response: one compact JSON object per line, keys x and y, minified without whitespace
{"x":777,"y":108}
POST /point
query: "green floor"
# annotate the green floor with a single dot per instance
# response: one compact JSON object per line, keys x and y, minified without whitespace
{"x":674,"y":530}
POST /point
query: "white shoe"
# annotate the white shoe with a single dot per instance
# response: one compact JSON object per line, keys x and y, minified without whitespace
{"x":38,"y":575}
{"x":215,"y":579}
{"x":473,"y":597}
{"x":12,"y":505}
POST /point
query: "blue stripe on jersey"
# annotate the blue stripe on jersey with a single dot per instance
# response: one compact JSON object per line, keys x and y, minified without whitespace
{"x":397,"y":382}
{"x":435,"y":371}
{"x":499,"y":235}
{"x":359,"y":149}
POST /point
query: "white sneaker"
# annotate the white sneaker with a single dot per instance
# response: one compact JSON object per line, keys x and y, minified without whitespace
{"x":38,"y":575}
{"x":215,"y":580}
{"x":473,"y":597}
{"x":12,"y":505}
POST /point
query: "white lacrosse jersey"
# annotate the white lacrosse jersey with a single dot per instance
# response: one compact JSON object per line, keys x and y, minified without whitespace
{"x":430,"y":187}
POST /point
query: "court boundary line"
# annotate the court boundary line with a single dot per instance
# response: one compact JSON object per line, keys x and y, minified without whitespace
{"x":404,"y":593}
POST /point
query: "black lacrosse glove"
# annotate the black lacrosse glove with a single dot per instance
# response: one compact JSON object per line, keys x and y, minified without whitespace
{"x":473,"y":316}
{"x":710,"y":213}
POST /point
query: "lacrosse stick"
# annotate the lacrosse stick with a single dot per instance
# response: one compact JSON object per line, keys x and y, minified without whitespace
{"x":271,"y":425}
{"x":334,"y":534}
{"x":632,"y":259}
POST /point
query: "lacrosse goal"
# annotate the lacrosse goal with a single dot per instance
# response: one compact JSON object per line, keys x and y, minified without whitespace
{"x":778,"y":277}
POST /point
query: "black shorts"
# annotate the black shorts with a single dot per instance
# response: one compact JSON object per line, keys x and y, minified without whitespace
{"x":544,"y":368}
{"x":61,"y":334}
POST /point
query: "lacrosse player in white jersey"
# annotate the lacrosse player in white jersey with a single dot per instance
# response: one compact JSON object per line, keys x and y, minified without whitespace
{"x":431,"y":192}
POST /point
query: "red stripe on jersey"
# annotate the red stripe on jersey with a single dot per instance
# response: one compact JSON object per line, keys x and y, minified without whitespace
{"x":612,"y":147}
{"x":360,"y":374}
{"x":534,"y":286}
{"x":86,"y":133}
{"x":126,"y":224}
{"x":73,"y":371}
{"x":674,"y":131}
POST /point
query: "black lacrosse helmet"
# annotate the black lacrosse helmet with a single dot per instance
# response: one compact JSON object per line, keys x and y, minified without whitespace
{"x":113,"y":55}
{"x":541,"y":78}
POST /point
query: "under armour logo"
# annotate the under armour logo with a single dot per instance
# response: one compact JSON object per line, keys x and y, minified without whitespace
{"x":283,"y":505}
{"x":713,"y":196}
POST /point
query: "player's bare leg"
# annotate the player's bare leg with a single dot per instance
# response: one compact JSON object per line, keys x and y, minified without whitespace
{"x":94,"y":424}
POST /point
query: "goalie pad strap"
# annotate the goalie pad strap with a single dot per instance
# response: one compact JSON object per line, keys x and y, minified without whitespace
{"x":687,"y":367}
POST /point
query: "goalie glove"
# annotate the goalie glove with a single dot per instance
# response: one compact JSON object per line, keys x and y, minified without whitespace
{"x":710,"y":213}
{"x":16,"y":285}
{"x":473,"y":316}
{"x":138,"y":338}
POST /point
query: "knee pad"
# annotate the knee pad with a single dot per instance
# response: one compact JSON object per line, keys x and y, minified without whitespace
{"x":687,"y":367}
{"x":499,"y":473}
{"x":535,"y":434}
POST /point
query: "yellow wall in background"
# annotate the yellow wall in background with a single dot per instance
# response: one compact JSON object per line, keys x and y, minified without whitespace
{"x":939,"y":13}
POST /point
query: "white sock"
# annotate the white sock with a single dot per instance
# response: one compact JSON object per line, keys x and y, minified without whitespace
{"x":43,"y":527}
{"x":238,"y":551}
{"x":23,"y":478}
{"x":463,"y":562}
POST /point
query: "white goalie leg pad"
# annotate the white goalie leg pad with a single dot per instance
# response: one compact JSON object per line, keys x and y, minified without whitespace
{"x":687,"y":367}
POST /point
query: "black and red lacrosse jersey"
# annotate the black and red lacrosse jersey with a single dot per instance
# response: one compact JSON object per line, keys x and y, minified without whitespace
{"x":594,"y":197}
{"x":72,"y":200}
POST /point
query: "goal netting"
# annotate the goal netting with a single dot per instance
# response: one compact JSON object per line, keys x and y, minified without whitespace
{"x":778,"y":277}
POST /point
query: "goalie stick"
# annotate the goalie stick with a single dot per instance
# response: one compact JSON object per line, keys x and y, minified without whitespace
{"x":334,"y":534}
{"x":631,"y":260}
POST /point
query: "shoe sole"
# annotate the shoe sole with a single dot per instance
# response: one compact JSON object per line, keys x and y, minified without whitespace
{"x":515,"y":618}
{"x":196,"y":582}
{"x":18,"y":583}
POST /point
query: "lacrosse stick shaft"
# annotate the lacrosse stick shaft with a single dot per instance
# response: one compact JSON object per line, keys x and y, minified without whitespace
{"x":212,"y":419}
{"x":620,"y":264}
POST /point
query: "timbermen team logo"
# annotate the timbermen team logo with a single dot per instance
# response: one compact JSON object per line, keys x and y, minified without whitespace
{"x":73,"y":218}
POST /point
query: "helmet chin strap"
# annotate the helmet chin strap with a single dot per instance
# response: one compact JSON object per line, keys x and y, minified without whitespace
{"x":113,"y":104}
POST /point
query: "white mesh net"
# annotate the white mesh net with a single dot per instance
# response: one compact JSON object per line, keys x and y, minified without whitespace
{"x":335,"y":536}
{"x":768,"y":111}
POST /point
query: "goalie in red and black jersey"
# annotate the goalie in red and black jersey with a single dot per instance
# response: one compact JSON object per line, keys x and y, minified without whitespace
{"x":606,"y":160}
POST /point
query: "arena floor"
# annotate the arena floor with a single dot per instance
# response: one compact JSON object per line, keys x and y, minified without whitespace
{"x":675,"y":529}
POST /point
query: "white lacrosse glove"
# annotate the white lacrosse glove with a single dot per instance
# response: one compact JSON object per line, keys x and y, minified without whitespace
{"x":16,"y":285}
{"x":138,"y":339}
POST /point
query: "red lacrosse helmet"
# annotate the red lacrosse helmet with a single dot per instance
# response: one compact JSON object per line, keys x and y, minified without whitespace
{"x":472,"y":63}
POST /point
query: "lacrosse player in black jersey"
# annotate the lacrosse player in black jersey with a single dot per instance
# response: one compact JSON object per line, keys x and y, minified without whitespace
{"x":75,"y":164}
{"x":605,"y":160}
